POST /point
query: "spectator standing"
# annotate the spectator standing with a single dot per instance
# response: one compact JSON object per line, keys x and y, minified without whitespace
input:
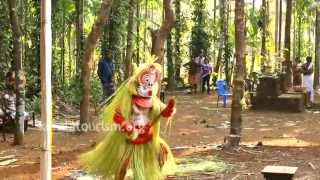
{"x":106,"y":74}
{"x":297,"y":73}
{"x":193,"y":74}
{"x":206,"y":74}
{"x":199,"y":60}
{"x":308,"y":80}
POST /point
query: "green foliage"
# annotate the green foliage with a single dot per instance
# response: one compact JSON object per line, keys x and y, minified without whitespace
{"x":71,"y":94}
{"x":33,"y":104}
{"x":5,"y":41}
{"x":305,"y":18}
{"x":32,"y":47}
{"x":115,"y":32}
{"x":254,"y":28}
{"x":200,"y":38}
{"x":96,"y":90}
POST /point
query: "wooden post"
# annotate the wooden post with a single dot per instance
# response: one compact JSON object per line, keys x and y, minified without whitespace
{"x":46,"y":96}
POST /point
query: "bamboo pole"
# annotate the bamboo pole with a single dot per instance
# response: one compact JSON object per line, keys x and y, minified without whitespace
{"x":46,"y":96}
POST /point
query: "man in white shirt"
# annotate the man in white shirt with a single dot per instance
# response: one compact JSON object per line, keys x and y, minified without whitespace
{"x":308,"y":80}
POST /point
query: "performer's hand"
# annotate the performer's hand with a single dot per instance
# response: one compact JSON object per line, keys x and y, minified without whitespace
{"x":127,"y":127}
{"x":169,"y":109}
{"x":118,"y":118}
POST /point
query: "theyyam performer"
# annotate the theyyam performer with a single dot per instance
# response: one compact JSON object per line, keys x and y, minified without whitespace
{"x":135,"y":147}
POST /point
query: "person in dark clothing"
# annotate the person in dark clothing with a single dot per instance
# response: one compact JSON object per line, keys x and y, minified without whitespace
{"x":194,"y":69}
{"x":297,"y":72}
{"x":106,"y":73}
{"x":206,"y":73}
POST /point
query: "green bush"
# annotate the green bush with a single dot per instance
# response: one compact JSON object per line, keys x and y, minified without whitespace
{"x":33,"y":104}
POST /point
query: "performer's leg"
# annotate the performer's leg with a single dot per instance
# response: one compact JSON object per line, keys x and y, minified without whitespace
{"x":123,"y":170}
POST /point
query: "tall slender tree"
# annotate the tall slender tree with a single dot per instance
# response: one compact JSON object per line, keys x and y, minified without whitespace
{"x":287,"y":49}
{"x":20,"y":79}
{"x":299,"y":35}
{"x":317,"y":46}
{"x":239,"y":75}
{"x":253,"y":53}
{"x":63,"y":48}
{"x":88,"y":59}
{"x":129,"y":50}
{"x":138,"y":33}
{"x":223,"y":28}
{"x":160,"y":35}
{"x":264,"y":15}
{"x":170,"y":65}
{"x":177,"y":39}
{"x":79,"y":34}
{"x":276,"y":28}
{"x":227,"y":50}
{"x":280,"y":27}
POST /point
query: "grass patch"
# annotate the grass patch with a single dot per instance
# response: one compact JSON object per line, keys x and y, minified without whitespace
{"x":201,"y":164}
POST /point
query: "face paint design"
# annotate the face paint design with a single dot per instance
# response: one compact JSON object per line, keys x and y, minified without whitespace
{"x":146,"y":82}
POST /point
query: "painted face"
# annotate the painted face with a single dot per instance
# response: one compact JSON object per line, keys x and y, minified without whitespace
{"x":146,"y":82}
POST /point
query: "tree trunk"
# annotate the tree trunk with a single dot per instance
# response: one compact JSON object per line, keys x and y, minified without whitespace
{"x":253,"y":59}
{"x":276,"y":28}
{"x":226,"y":45}
{"x":128,"y":60}
{"x":88,"y":59}
{"x":310,"y":41}
{"x":280,"y":27}
{"x":253,"y":55}
{"x":239,"y":75}
{"x":70,"y":52}
{"x":294,"y":41}
{"x":62,"y":55}
{"x":159,"y":36}
{"x":214,"y":26}
{"x":264,"y":34}
{"x":170,"y":65}
{"x":288,"y":63}
{"x":20,"y":79}
{"x":223,"y":26}
{"x":178,"y":29}
{"x":299,"y":35}
{"x":317,"y":47}
{"x":145,"y":29}
{"x":138,"y":33}
{"x":79,"y":34}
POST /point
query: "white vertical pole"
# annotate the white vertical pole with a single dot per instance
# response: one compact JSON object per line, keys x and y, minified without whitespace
{"x":46,"y":96}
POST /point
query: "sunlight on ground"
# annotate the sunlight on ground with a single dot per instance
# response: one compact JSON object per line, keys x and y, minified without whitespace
{"x":203,"y":164}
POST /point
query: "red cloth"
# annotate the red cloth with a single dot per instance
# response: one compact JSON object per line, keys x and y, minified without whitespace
{"x":142,"y":101}
{"x":168,"y":111}
{"x":143,"y":138}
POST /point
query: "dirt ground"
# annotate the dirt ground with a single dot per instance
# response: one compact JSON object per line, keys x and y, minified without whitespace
{"x":199,"y":126}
